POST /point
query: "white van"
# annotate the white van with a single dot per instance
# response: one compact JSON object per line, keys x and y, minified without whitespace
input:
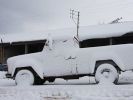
{"x":104,"y":55}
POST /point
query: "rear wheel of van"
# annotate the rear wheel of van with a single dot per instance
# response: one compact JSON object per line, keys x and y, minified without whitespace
{"x":106,"y":73}
{"x":24,"y":77}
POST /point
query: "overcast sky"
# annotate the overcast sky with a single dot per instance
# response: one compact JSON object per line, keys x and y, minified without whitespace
{"x":19,"y":16}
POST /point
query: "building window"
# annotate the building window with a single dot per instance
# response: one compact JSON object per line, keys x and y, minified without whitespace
{"x":125,"y":39}
{"x":95,"y":42}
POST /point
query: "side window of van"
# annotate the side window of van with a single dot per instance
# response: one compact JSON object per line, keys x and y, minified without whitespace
{"x":95,"y":42}
{"x":125,"y":39}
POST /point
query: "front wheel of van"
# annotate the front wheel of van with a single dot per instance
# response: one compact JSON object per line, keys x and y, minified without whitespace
{"x":24,"y":77}
{"x":106,"y":73}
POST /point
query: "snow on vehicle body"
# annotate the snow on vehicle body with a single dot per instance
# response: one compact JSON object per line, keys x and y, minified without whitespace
{"x":68,"y":59}
{"x":111,"y":53}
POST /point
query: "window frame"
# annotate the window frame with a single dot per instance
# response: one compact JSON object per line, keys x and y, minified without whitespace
{"x":127,"y":38}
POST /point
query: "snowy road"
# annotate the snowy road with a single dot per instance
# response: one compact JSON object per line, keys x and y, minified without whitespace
{"x":82,"y":89}
{"x":67,"y":92}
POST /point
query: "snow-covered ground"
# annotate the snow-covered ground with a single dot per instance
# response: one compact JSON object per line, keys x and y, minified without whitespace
{"x":81,"y":89}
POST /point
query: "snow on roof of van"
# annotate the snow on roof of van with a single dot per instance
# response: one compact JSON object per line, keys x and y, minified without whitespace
{"x":105,"y":30}
{"x":85,"y":32}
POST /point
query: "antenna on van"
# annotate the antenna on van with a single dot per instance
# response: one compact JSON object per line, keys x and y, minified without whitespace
{"x":74,"y":15}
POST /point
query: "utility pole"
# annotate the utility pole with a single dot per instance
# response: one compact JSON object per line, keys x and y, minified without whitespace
{"x":74,"y":15}
{"x":2,"y":51}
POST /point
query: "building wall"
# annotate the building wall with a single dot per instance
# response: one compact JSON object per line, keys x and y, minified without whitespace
{"x":11,"y":51}
{"x":0,"y":54}
{"x":19,"y":49}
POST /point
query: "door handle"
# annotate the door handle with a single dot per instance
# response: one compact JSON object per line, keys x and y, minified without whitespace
{"x":70,"y":57}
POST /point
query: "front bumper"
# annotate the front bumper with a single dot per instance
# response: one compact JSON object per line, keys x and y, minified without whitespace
{"x":8,"y":75}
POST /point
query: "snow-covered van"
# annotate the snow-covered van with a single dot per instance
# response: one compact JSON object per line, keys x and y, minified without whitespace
{"x":102,"y":51}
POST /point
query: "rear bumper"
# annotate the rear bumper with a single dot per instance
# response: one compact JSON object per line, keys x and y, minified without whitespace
{"x":8,"y":75}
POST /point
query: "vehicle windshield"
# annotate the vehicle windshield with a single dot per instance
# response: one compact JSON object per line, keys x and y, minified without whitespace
{"x":61,"y":44}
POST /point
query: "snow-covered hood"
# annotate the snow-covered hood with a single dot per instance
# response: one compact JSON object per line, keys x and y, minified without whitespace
{"x":21,"y":60}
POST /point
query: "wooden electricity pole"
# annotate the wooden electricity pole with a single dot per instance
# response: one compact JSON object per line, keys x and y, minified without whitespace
{"x":2,"y":52}
{"x":78,"y":25}
{"x":74,"y":15}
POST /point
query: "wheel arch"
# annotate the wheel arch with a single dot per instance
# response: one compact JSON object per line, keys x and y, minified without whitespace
{"x":28,"y":68}
{"x":110,"y":61}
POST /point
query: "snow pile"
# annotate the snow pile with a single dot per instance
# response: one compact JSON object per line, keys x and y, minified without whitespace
{"x":60,"y":90}
{"x":4,"y":81}
{"x":105,"y":81}
{"x":2,"y":74}
{"x":67,"y":92}
{"x":126,"y":77}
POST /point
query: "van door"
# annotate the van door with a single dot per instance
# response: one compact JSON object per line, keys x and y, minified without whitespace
{"x":59,"y":61}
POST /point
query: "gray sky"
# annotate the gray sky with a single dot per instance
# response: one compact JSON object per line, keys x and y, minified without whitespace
{"x":18,"y":16}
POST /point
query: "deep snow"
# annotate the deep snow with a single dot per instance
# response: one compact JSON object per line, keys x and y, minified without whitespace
{"x":82,"y":89}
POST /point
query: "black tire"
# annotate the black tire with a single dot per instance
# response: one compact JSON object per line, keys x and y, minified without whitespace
{"x":39,"y":81}
{"x":24,"y":77}
{"x":51,"y":79}
{"x":108,"y":72}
